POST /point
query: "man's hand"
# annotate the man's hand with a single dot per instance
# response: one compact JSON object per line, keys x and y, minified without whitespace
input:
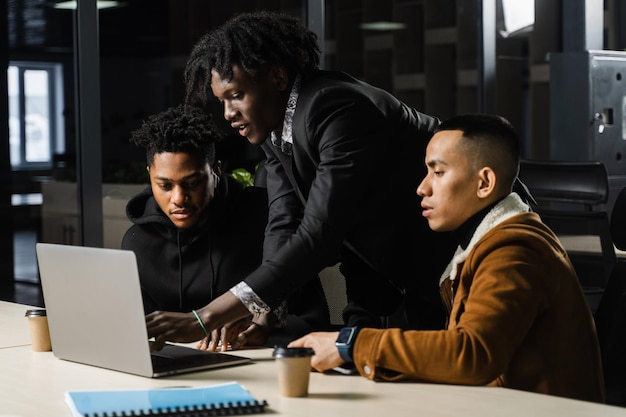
{"x":323,"y":343}
{"x":184,"y":327}
{"x":167,"y":326}
{"x":236,"y":335}
{"x":257,"y":332}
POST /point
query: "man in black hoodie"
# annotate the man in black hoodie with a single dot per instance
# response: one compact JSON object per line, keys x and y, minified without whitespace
{"x":197,"y":232}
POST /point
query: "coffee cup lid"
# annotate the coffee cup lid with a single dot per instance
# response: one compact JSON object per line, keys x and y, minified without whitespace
{"x":286,"y":352}
{"x":35,"y":313}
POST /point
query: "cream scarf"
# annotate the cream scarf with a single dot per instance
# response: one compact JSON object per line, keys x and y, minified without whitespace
{"x":510,"y":206}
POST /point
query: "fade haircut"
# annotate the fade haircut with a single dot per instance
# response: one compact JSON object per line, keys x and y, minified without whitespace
{"x":179,"y":129}
{"x":488,"y":140}
{"x":254,"y":42}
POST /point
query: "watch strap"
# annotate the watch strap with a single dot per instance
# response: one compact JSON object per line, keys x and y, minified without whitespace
{"x":345,"y":347}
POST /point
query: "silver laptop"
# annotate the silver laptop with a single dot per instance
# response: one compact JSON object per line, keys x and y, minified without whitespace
{"x":95,"y":314}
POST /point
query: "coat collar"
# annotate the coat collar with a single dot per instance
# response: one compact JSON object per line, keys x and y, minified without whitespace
{"x":510,"y":206}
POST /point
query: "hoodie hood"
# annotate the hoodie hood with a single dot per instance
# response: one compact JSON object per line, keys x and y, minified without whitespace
{"x":143,"y":209}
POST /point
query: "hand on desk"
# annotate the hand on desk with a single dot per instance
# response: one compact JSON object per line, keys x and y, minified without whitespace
{"x":236,"y":335}
{"x":167,"y":326}
{"x":221,"y":319}
{"x":323,"y":343}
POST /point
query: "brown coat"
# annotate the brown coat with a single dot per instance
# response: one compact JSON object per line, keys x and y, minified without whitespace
{"x":518,"y":319}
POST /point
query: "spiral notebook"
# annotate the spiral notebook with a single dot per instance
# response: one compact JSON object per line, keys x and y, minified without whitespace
{"x":217,"y":400}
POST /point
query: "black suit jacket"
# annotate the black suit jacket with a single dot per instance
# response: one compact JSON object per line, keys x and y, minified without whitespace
{"x":348,"y":193}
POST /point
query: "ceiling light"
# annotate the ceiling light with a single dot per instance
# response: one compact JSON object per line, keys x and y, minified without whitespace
{"x":382,"y":26}
{"x":102,"y":4}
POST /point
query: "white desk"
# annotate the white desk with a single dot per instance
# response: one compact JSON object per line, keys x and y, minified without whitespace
{"x":13,"y":325}
{"x":32,"y":384}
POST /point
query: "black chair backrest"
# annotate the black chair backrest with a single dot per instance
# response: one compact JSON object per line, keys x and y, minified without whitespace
{"x":610,"y":316}
{"x":571,"y":198}
{"x":618,"y":221}
{"x":580,"y":182}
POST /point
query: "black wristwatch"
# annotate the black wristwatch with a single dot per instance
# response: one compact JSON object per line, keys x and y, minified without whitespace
{"x":345,"y":342}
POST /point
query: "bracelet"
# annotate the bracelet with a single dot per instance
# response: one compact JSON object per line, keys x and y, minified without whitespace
{"x":201,"y":324}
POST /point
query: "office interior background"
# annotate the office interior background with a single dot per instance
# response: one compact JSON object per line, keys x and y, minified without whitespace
{"x":78,"y":81}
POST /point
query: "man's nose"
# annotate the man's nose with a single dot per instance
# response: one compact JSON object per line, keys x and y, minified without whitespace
{"x":421,"y":189}
{"x":179,"y":195}
{"x":229,"y":112}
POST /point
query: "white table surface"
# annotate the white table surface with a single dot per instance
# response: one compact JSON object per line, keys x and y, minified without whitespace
{"x":13,"y":325}
{"x":32,"y":384}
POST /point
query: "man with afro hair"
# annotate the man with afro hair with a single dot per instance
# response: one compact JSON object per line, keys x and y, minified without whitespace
{"x":341,"y":174}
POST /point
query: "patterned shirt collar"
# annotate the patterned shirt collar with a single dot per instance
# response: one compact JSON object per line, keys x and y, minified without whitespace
{"x":284,"y":140}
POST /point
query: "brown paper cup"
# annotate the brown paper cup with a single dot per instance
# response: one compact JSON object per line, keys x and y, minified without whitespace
{"x":294,"y":368}
{"x":39,"y":333}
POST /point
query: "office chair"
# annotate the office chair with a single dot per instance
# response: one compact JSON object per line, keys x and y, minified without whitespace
{"x":610,"y":316}
{"x":571,"y":199}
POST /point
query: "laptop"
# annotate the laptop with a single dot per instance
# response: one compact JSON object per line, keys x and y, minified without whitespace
{"x":95,"y":314}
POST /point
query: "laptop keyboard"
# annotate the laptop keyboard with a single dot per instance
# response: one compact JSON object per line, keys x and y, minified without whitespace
{"x":174,"y":357}
{"x":160,"y":362}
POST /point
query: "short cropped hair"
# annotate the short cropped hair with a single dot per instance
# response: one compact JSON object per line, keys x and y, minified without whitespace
{"x":489,"y":140}
{"x":253,"y":41}
{"x":179,"y":129}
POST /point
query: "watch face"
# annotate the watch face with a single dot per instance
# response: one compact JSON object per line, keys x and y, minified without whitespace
{"x":345,"y":335}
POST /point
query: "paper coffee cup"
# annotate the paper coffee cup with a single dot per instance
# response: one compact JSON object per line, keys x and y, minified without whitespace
{"x":39,"y":333}
{"x":294,"y":368}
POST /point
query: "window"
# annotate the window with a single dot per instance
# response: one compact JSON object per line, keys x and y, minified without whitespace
{"x":35,"y":107}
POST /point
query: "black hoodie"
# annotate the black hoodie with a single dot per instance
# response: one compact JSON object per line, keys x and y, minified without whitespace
{"x":184,"y":269}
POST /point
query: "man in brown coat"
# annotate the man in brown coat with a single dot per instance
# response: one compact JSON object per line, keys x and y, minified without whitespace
{"x":517,"y":316}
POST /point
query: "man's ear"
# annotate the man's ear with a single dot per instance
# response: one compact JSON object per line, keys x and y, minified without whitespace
{"x":279,"y":77}
{"x":486,"y":182}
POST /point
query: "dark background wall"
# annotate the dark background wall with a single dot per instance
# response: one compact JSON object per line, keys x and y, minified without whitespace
{"x":432,"y":64}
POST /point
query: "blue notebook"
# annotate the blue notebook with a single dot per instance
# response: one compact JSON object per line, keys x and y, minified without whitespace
{"x":216,"y":400}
